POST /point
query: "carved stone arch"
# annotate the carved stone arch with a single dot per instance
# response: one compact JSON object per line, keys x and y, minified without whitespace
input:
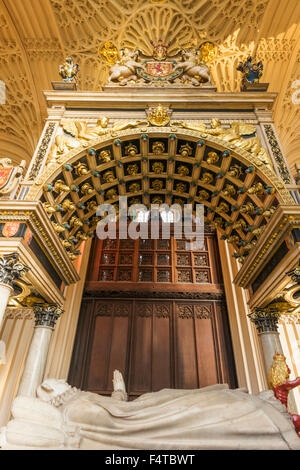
{"x":238,"y":205}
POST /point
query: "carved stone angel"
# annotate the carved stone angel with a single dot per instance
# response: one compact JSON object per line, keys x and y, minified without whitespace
{"x":76,"y":133}
{"x":235,"y":134}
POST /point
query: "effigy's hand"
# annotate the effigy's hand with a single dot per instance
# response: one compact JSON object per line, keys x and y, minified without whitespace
{"x":118,"y":382}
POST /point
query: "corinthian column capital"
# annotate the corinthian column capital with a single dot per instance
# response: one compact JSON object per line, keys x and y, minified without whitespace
{"x":46,"y":315}
{"x":11,"y":269}
{"x":265,"y":319}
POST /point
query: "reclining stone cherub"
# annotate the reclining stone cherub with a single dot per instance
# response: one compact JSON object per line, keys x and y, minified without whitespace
{"x":214,"y":417}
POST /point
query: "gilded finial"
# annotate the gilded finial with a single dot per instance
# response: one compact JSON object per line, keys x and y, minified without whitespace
{"x":279,"y":371}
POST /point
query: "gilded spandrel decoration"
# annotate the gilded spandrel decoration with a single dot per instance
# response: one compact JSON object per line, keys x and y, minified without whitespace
{"x":76,"y":133}
{"x":89,"y":157}
{"x":277,"y":154}
{"x":234,"y":135}
{"x":133,"y":67}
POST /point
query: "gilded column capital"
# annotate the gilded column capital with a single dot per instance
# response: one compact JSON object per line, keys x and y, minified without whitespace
{"x":11,"y":269}
{"x":265,"y":319}
{"x":47,"y":315}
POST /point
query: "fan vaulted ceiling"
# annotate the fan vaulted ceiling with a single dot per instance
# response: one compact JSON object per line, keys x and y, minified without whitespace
{"x":37,"y":35}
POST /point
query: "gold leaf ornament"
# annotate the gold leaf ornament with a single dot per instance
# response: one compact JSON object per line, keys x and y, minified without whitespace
{"x":208,"y":51}
{"x":109,"y":53}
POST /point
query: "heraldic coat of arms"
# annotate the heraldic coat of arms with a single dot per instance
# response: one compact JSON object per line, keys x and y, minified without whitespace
{"x":132,"y":66}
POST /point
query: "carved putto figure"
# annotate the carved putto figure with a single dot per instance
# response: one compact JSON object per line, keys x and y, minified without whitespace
{"x":213,"y":417}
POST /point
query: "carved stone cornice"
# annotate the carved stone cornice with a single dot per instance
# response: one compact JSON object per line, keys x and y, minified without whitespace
{"x":46,"y":315}
{"x":35,"y":217}
{"x":141,"y":97}
{"x":11,"y":269}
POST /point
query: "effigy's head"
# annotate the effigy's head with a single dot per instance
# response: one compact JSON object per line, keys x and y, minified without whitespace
{"x":51,"y":390}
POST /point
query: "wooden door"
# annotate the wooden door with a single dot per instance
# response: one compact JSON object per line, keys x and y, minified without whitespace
{"x":155,"y":344}
{"x":156,"y":311}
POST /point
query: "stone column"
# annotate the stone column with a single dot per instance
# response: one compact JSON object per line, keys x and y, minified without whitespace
{"x":11,"y":269}
{"x":33,"y":373}
{"x":266,"y":322}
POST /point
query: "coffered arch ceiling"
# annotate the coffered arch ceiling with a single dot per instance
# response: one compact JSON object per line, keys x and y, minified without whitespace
{"x":36,"y":36}
{"x":154,"y":166}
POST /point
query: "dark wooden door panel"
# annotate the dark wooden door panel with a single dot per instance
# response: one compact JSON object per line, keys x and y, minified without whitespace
{"x":100,"y":353}
{"x":206,"y":353}
{"x":161,"y":353}
{"x":186,"y":360}
{"x":154,"y":343}
{"x":140,"y":362}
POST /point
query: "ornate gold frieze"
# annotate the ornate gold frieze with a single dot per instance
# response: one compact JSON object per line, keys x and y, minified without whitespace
{"x":277,"y":154}
{"x":42,"y":151}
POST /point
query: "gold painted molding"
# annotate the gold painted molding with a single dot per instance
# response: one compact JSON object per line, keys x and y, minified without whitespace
{"x":281,"y":223}
{"x":35,"y":217}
